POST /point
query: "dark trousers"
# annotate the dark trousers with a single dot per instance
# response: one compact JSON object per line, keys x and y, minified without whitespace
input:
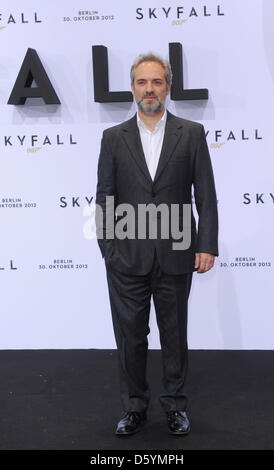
{"x":130,"y":297}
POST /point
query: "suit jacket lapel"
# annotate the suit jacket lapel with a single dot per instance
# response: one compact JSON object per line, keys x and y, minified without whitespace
{"x":171,"y":137}
{"x":133,"y":140}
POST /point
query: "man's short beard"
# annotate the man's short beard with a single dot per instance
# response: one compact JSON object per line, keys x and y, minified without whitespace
{"x":153,"y":108}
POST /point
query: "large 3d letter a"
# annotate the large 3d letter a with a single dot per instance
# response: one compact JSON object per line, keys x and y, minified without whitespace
{"x":32,"y":70}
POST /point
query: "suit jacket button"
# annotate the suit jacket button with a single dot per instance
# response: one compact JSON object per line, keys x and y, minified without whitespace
{"x":152,"y":193}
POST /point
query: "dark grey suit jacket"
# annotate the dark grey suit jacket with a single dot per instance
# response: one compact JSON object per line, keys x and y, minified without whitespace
{"x":184,"y":164}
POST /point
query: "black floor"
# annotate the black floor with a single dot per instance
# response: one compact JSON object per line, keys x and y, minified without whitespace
{"x":69,"y":399}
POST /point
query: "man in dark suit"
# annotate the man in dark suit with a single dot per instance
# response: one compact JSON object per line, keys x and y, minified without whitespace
{"x":153,"y":161}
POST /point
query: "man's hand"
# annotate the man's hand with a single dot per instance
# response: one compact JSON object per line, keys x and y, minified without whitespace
{"x":204,"y":262}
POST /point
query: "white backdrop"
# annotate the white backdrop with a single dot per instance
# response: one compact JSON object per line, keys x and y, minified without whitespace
{"x":52,"y":277}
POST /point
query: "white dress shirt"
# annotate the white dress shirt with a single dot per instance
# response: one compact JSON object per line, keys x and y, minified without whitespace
{"x":152,"y":142}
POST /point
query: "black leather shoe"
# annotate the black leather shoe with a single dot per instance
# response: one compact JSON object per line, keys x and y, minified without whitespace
{"x":178,"y":422}
{"x":131,"y":422}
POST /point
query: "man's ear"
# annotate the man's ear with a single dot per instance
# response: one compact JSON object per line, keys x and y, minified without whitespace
{"x":132,"y":88}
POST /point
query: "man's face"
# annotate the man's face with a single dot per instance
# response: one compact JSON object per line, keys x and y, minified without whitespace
{"x":150,"y":88}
